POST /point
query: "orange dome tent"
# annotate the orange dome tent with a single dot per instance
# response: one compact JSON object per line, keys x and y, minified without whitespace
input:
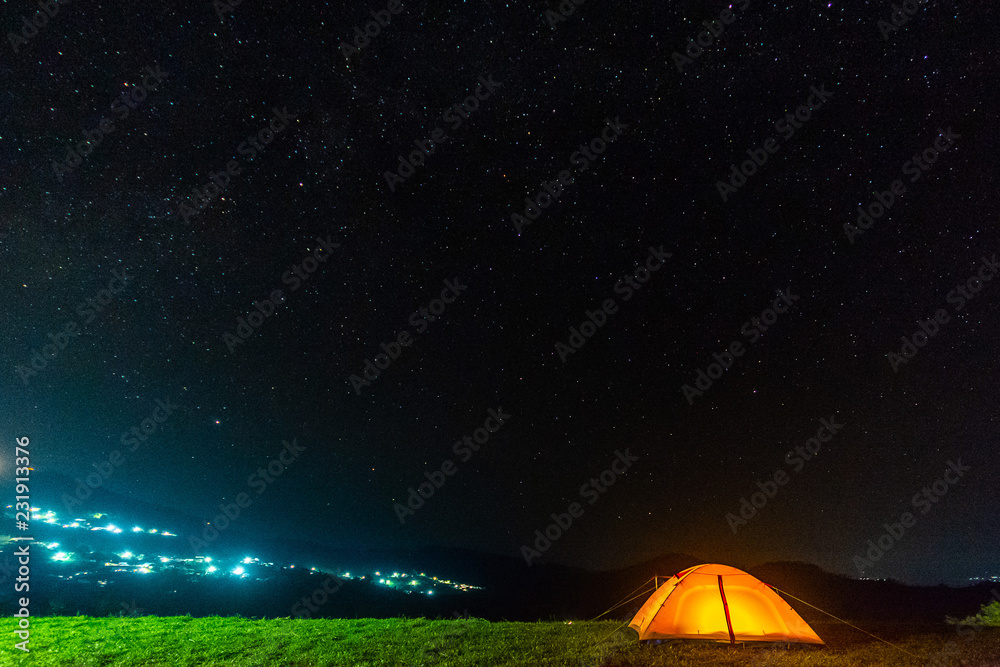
{"x":722,"y":604}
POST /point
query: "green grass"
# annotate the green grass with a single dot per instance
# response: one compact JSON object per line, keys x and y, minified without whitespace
{"x":81,"y":641}
{"x":988,"y":616}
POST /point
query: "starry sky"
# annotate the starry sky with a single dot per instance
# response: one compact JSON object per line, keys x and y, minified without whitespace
{"x":358,"y":254}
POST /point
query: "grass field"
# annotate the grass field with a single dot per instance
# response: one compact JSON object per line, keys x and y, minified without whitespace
{"x":81,"y":641}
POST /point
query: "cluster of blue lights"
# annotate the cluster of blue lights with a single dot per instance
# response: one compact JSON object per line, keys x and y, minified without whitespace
{"x":89,"y":568}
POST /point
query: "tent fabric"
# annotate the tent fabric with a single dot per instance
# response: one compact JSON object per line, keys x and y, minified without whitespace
{"x":720,"y":603}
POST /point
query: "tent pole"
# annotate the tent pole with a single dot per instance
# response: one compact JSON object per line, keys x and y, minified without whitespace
{"x":725,"y":605}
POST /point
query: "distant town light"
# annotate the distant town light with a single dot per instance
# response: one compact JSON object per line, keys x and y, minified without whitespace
{"x":211,"y":568}
{"x":238,"y":570}
{"x":137,"y":529}
{"x":247,"y":560}
{"x":144,"y":570}
{"x":62,"y":555}
{"x":127,"y":555}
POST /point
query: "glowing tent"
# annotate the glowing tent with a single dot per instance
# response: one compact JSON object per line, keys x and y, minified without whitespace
{"x":722,"y":604}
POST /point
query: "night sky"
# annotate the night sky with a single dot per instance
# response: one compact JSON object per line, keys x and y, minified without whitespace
{"x":685,"y":261}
